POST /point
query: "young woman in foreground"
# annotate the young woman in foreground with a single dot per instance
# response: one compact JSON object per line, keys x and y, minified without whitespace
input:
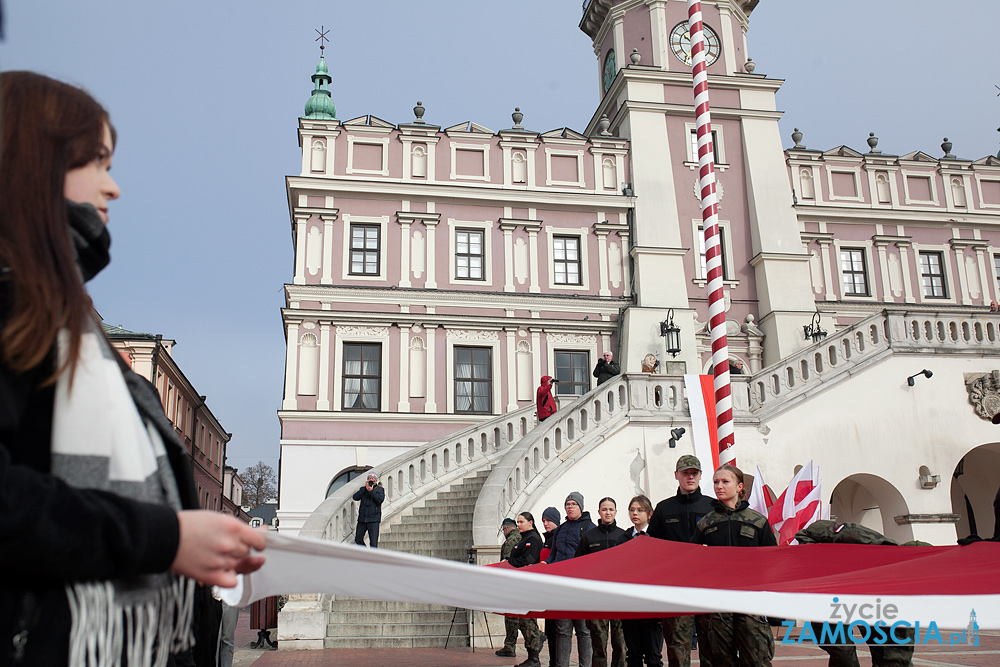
{"x":732,"y":523}
{"x":101,"y":540}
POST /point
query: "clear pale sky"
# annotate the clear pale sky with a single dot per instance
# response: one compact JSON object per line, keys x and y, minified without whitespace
{"x":206,"y":94}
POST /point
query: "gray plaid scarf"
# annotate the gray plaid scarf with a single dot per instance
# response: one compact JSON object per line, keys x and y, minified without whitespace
{"x":99,"y":441}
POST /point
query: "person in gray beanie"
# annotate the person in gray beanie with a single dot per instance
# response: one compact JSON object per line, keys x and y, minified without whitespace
{"x":564,"y":544}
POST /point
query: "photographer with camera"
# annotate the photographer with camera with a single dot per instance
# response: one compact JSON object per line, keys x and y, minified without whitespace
{"x":371,"y":496}
{"x":606,"y":368}
{"x":545,"y":403}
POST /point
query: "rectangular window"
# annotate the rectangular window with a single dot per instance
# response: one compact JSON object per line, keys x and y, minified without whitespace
{"x":852,"y":266}
{"x":473,"y":380}
{"x":715,"y":146}
{"x":364,"y":250}
{"x":566,"y":259}
{"x":469,"y":254}
{"x":362,"y":376}
{"x":573,"y":372}
{"x":996,"y":267}
{"x":932,"y":275}
{"x":704,"y":255}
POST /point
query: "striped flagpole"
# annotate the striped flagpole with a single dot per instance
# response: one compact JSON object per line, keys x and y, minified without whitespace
{"x":710,"y":223}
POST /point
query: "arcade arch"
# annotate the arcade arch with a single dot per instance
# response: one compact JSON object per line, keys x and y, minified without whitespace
{"x":872,"y":502}
{"x":973,"y":490}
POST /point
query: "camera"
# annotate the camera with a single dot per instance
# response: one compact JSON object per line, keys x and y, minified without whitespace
{"x":554,"y":381}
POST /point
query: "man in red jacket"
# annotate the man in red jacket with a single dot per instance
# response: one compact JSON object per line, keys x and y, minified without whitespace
{"x":544,"y":401}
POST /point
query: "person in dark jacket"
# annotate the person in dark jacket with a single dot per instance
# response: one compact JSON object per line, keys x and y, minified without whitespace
{"x":511,"y":537}
{"x":732,"y":523}
{"x":606,"y":368}
{"x":643,"y":636}
{"x":550,"y":521}
{"x":606,"y":535}
{"x":98,"y":495}
{"x":564,"y":544}
{"x":676,"y":518}
{"x":371,"y":495}
{"x":545,"y":403}
{"x":526,"y":552}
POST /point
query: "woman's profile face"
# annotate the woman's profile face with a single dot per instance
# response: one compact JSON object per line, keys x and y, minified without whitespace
{"x":91,"y":183}
{"x":727,"y":489}
{"x":523,"y":525}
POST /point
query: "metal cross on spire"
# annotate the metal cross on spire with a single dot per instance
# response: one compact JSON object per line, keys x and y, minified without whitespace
{"x":322,"y":39}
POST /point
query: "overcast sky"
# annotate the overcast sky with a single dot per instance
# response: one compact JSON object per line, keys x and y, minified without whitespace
{"x":205,"y":95}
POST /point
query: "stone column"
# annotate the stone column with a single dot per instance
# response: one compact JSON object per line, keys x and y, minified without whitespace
{"x":883,"y":262}
{"x":511,"y":334}
{"x":904,"y":266}
{"x":403,"y":381}
{"x":291,"y":366}
{"x":602,"y":261}
{"x":431,"y":368}
{"x":300,"y":248}
{"x":431,"y":282}
{"x":323,"y":398}
{"x":825,"y":246}
{"x":533,"y":286}
{"x":404,"y":252}
{"x":328,"y":220}
{"x":508,"y":254}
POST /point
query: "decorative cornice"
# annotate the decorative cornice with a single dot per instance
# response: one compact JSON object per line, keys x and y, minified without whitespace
{"x":756,"y":260}
{"x":514,"y":223}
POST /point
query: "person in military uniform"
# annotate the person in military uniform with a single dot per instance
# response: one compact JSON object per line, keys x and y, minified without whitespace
{"x":676,"y":518}
{"x":511,"y":537}
{"x":605,"y":535}
{"x":884,"y":655}
{"x":743,"y":639}
{"x":528,"y":552}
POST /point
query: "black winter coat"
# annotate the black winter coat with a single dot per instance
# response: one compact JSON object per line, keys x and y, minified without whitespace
{"x":53,"y":533}
{"x":567,"y":537}
{"x":527,"y":551}
{"x":604,"y":536}
{"x":371,"y":503}
{"x":676,"y":518}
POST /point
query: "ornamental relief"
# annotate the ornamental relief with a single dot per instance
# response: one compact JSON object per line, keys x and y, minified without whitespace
{"x":570,"y":339}
{"x":362,"y":332}
{"x":464,"y":334}
{"x":984,"y":393}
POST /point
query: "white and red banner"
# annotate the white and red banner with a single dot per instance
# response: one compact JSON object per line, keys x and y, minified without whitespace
{"x":700,"y":392}
{"x":798,"y":505}
{"x":652,"y":578}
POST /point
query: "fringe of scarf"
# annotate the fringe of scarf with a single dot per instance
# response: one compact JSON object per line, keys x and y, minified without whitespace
{"x":106,"y":632}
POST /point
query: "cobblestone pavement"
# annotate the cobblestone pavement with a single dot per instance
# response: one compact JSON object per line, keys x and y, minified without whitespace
{"x":987,"y":654}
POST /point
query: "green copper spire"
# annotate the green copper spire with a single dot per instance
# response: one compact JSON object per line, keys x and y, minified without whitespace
{"x":320,"y":106}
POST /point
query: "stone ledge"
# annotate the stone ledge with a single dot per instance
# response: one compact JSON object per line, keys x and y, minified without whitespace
{"x":904,"y":519}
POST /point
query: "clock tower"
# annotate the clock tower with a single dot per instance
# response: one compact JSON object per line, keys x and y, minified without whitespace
{"x":644,"y":53}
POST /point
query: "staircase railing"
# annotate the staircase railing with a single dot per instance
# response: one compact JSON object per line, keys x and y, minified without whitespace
{"x":522,"y":474}
{"x":841,"y":355}
{"x":417,"y":473}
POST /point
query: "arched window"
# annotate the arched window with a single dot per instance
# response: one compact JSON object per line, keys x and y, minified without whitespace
{"x":344,"y":477}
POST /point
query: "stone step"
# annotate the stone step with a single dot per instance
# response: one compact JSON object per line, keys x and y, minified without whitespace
{"x":344,"y":603}
{"x":391,"y":617}
{"x":372,"y":628}
{"x":397,"y":642}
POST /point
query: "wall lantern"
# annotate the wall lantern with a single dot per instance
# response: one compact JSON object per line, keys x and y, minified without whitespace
{"x":672,"y":333}
{"x":812,"y":330}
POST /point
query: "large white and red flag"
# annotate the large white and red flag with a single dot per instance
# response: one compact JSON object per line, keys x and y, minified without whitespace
{"x":700,"y":392}
{"x":761,"y":498}
{"x":798,"y":505}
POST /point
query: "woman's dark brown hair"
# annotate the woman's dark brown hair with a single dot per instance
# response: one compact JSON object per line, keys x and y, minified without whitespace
{"x":49,"y":127}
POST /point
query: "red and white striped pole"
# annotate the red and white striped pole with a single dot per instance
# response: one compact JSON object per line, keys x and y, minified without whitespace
{"x":710,"y":223}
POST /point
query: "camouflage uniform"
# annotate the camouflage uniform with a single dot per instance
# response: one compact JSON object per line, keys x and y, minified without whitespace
{"x":599,"y":631}
{"x":677,"y":633}
{"x":510,"y":624}
{"x":885,"y":655}
{"x":737,"y":639}
{"x":532,"y":635}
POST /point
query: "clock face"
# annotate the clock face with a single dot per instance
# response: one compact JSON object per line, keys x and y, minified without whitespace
{"x":610,"y":69}
{"x":680,"y":44}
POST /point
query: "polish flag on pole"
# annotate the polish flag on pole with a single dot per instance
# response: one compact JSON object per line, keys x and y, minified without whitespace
{"x":761,"y":498}
{"x":700,"y":391}
{"x":798,"y":505}
{"x":722,"y":391}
